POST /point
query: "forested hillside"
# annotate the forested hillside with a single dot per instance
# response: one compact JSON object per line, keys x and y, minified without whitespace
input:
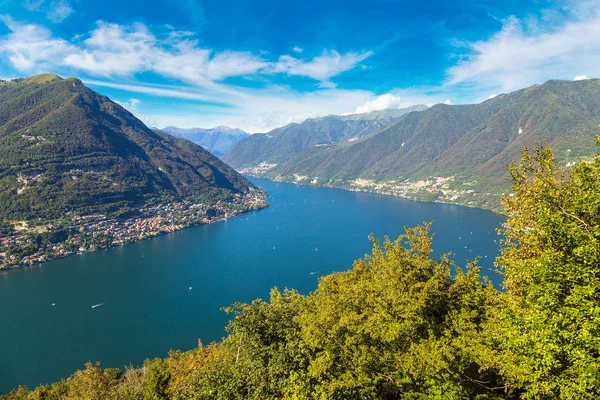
{"x":404,"y":323}
{"x":65,"y":148}
{"x":449,"y":153}
{"x":281,"y":144}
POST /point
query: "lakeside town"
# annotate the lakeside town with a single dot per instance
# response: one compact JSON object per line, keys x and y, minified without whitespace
{"x":30,"y":244}
{"x":438,"y":189}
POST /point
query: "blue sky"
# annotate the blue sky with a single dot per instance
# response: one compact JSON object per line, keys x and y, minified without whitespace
{"x":258,"y":64}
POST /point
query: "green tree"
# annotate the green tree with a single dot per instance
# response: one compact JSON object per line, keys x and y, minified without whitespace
{"x":20,"y":393}
{"x":397,"y":325}
{"x":544,"y":330}
{"x":157,"y":381}
{"x":264,"y":347}
{"x":93,"y":383}
{"x":5,"y":227}
{"x":132,"y":385}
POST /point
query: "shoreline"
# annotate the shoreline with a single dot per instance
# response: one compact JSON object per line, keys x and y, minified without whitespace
{"x":495,"y":210}
{"x":98,"y":232}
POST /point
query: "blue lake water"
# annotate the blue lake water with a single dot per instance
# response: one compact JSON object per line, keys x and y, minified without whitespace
{"x":147,"y":306}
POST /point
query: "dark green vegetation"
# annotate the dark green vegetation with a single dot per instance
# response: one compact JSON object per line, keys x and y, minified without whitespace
{"x":65,"y":148}
{"x":468,"y":146}
{"x":282,"y":144}
{"x":402,"y":324}
{"x":216,"y":140}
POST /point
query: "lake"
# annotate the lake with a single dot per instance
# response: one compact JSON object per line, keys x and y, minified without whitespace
{"x":166,"y":292}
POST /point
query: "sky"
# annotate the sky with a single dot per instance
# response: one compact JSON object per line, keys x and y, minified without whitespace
{"x":261,"y":64}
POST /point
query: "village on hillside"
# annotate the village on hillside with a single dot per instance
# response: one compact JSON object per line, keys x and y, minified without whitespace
{"x":30,"y":244}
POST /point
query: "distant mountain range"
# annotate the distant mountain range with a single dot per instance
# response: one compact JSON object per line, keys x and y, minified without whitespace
{"x":216,"y":140}
{"x":282,"y":144}
{"x":449,"y":153}
{"x":65,"y":148}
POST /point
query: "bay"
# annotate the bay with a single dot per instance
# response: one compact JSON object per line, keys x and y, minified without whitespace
{"x":126,"y":304}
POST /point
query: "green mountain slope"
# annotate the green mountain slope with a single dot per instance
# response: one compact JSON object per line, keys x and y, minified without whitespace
{"x":283,"y":143}
{"x":64,"y":148}
{"x":452,"y":153}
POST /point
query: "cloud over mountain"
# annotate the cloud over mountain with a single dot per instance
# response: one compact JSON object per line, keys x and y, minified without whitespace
{"x":380,"y":103}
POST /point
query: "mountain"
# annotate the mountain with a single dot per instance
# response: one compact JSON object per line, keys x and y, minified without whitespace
{"x":283,"y":143}
{"x":448,"y":153}
{"x":216,"y":140}
{"x":65,"y":148}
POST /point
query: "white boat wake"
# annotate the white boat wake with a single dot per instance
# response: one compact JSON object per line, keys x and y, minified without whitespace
{"x":97,"y":305}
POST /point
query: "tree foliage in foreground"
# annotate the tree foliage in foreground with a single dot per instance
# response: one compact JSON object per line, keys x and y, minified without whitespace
{"x":544,"y":330}
{"x":401,"y":324}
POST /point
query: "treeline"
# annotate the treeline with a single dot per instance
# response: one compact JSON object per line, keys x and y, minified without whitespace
{"x":403,"y":325}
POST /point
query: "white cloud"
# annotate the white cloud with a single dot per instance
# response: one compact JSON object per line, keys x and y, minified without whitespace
{"x":116,"y":50}
{"x":406,"y":98}
{"x":113,"y":50}
{"x":59,"y":11}
{"x":172,"y":92}
{"x":114,"y":55}
{"x":581,"y":78}
{"x":56,"y":10}
{"x":31,"y":47}
{"x":297,"y":49}
{"x":380,"y":103}
{"x":253,"y":110}
{"x":261,"y":111}
{"x":131,"y":105}
{"x":233,"y":63}
{"x":329,"y":64}
{"x":522,"y":54}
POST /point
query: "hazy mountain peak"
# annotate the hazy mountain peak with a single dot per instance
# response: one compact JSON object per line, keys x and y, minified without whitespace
{"x":217,"y":140}
{"x":386,"y":113}
{"x":283,"y":143}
